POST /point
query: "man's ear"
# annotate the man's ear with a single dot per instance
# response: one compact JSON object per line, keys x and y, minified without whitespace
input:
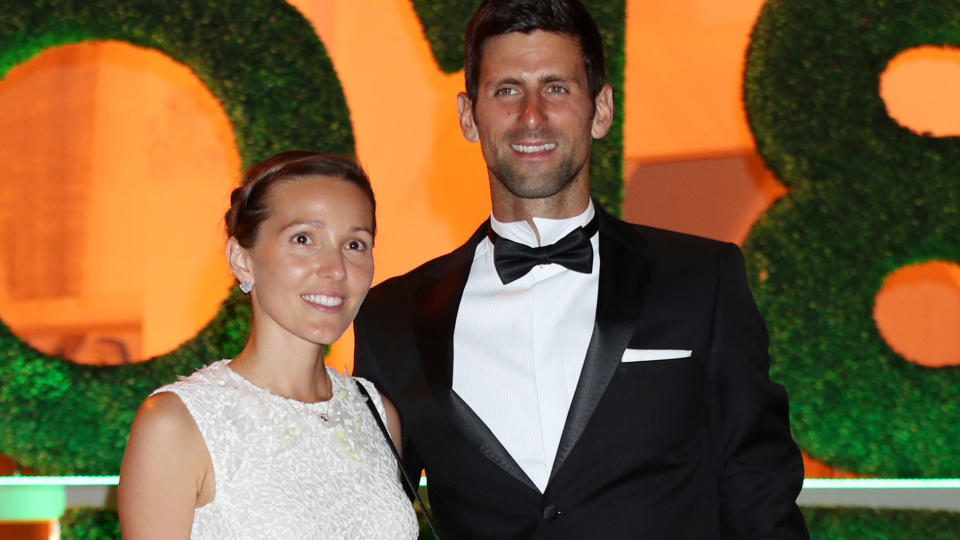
{"x":238,"y":259}
{"x":603,"y":112}
{"x":465,"y":112}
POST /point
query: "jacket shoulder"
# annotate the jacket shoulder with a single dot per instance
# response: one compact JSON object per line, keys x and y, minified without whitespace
{"x":665,"y":245}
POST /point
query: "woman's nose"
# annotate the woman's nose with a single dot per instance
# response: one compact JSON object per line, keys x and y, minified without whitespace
{"x":331,"y":265}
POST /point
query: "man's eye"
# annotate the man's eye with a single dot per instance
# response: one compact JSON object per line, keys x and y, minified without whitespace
{"x":301,"y":239}
{"x":556,"y":89}
{"x":506,"y":92}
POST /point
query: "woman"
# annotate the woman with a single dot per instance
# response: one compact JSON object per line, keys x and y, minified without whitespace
{"x":273,"y":444}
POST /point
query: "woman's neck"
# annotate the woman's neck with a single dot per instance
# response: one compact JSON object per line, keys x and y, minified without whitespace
{"x":293,"y":369}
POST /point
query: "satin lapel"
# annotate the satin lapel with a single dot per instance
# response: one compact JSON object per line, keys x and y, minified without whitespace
{"x":624,"y":271}
{"x":438,"y":304}
{"x":475,"y":431}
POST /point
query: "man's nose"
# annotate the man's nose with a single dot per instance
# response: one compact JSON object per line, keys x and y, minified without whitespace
{"x":532,"y":115}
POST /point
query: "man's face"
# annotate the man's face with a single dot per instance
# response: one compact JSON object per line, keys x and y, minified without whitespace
{"x":533,"y":114}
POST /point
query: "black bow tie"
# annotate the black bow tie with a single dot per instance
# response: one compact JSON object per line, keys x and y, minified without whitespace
{"x":513,"y":260}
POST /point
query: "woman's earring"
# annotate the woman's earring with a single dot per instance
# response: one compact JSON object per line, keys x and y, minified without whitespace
{"x":246,"y":287}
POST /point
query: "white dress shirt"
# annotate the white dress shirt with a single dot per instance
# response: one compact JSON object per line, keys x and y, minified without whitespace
{"x":518,"y":348}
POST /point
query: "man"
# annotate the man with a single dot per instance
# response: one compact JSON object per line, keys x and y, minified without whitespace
{"x":626,"y":396}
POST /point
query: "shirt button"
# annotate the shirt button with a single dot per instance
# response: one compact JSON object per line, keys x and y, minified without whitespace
{"x":550,"y":512}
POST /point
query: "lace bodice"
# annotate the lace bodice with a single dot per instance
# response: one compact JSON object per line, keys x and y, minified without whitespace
{"x":287,"y":469}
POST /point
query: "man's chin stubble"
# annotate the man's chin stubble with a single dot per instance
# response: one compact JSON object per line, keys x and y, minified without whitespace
{"x":521,"y":187}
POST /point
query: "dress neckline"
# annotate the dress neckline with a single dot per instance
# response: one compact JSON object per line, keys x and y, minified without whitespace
{"x":336,"y":386}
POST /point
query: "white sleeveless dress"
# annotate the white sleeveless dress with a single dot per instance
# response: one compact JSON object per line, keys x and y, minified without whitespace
{"x":287,"y":469}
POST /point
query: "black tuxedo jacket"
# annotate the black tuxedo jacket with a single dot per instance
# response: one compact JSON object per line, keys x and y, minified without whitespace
{"x":691,"y":448}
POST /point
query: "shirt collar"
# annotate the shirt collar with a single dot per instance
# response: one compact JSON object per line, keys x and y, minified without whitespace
{"x":551,"y":230}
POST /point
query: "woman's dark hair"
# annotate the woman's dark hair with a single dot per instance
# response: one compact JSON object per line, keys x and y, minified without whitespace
{"x":249,"y":206}
{"x":496,"y":17}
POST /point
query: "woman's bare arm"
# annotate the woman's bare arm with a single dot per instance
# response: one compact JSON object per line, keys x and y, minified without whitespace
{"x":166,"y":472}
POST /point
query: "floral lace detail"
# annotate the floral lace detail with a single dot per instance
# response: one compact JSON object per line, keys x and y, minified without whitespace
{"x":288,"y":469}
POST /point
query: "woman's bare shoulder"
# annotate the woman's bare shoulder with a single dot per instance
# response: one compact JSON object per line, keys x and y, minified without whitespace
{"x":166,"y":470}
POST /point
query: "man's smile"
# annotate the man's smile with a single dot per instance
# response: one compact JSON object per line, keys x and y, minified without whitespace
{"x":533,"y":148}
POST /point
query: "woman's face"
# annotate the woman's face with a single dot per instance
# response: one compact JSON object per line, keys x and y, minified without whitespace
{"x":312,"y":263}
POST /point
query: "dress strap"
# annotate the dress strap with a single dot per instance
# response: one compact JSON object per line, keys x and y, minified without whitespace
{"x":406,"y":477}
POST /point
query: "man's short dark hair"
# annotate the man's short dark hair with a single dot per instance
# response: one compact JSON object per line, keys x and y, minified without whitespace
{"x":497,"y":17}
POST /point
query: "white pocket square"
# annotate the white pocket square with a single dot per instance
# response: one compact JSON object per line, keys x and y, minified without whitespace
{"x":645,"y":355}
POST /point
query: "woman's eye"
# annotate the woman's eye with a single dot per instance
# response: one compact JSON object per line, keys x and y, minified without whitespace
{"x":301,"y":239}
{"x":356,"y":245}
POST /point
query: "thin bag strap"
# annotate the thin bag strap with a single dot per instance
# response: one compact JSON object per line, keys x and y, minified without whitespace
{"x":403,"y":471}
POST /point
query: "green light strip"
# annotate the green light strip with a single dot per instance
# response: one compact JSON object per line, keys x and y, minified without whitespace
{"x":882,"y":483}
{"x":809,"y":483}
{"x":32,"y":503}
{"x":59,"y":480}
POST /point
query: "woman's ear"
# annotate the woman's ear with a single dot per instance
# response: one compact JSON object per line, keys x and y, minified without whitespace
{"x":239,"y":261}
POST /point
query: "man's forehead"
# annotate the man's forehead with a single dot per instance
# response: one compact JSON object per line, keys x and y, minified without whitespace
{"x":529,"y":50}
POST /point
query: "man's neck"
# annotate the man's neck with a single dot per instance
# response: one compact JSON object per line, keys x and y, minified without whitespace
{"x":509,"y":208}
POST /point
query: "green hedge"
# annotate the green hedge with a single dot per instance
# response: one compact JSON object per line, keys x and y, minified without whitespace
{"x":104,"y":524}
{"x":866,"y":197}
{"x":875,"y":524}
{"x":89,"y":524}
{"x":824,"y":524}
{"x":444,"y":24}
{"x":264,"y":63}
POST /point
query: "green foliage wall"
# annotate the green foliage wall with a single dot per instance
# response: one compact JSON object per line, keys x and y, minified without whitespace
{"x":104,"y":524}
{"x":89,"y":524}
{"x":263,"y":62}
{"x":876,"y":524}
{"x":866,"y":197}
